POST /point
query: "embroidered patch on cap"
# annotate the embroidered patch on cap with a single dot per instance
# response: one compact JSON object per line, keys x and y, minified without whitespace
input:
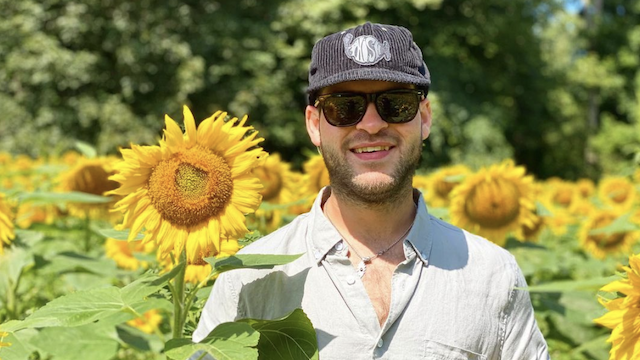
{"x":366,"y":49}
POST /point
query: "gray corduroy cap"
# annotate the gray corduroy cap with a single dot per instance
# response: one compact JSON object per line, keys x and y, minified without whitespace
{"x":367,"y":52}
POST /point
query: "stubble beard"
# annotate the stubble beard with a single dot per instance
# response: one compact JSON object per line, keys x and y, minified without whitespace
{"x":351,"y":187}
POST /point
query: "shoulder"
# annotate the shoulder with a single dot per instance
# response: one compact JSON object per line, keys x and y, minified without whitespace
{"x":466,"y":251}
{"x":286,"y":240}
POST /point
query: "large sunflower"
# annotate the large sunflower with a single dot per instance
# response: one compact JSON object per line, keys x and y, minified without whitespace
{"x":624,"y":313}
{"x":194,"y":187}
{"x":617,"y":192}
{"x":494,"y":201}
{"x":602,"y":244}
{"x":6,"y":223}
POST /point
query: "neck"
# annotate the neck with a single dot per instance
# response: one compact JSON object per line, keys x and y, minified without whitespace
{"x":373,"y":226}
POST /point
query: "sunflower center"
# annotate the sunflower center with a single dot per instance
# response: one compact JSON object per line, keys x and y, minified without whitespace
{"x":271,"y":181}
{"x":607,"y":241}
{"x":493,"y":203}
{"x":191,"y":187}
{"x":619,"y":195}
{"x":563,"y":197}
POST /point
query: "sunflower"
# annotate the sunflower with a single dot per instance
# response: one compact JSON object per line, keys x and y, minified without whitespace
{"x":602,"y":244}
{"x":559,"y":194}
{"x":617,"y":192}
{"x":193,"y":188}
{"x":494,"y":201}
{"x":527,"y":232}
{"x":624,"y":313}
{"x":316,"y":175}
{"x":279,"y":188}
{"x":122,"y":252}
{"x":90,"y":176}
{"x":442,"y":182}
{"x":148,"y":323}
{"x":586,"y":188}
{"x":6,"y":223}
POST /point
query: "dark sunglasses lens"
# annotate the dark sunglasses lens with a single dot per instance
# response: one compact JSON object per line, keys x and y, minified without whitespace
{"x":344,"y":110}
{"x":399,"y":107}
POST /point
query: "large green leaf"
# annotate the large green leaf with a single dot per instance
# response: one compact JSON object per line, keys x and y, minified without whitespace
{"x":92,"y":341}
{"x":71,"y":261}
{"x":112,"y":304}
{"x":253,"y":261}
{"x":228,"y":341}
{"x":290,"y":338}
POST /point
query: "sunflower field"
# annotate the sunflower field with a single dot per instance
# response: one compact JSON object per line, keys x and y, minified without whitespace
{"x":113,"y":257}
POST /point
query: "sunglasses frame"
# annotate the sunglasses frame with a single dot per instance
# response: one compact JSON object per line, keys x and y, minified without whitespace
{"x":369,"y":98}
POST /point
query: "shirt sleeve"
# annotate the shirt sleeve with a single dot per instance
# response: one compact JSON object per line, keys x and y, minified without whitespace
{"x":522,"y":337}
{"x":222,"y":306}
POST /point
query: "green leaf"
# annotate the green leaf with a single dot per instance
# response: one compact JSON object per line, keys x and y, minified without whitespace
{"x":572,"y":285}
{"x":86,"y":149}
{"x":71,"y":261}
{"x":43,"y":198}
{"x":118,"y":234}
{"x":111,"y":304}
{"x":253,"y":261}
{"x":92,"y":341}
{"x":619,"y":225}
{"x":228,"y":341}
{"x":292,"y":337}
{"x":139,"y":340}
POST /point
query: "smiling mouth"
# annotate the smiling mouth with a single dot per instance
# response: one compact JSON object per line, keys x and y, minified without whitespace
{"x":371,"y":149}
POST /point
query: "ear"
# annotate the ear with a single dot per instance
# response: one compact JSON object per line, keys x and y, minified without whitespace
{"x":312,"y":117}
{"x":425,"y":117}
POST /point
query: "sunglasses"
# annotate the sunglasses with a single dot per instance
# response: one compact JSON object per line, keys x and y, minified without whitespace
{"x":347,"y":109}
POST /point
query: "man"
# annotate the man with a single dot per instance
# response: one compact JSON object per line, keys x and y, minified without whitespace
{"x":380,"y":278}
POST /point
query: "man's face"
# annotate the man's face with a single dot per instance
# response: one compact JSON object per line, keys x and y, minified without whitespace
{"x":373,"y":161}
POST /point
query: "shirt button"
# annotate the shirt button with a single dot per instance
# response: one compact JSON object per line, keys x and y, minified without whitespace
{"x":424,"y":255}
{"x":351,"y":280}
{"x":317,"y":255}
{"x":339,"y":246}
{"x":380,"y":343}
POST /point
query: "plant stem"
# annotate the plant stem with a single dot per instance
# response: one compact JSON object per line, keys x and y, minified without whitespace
{"x":178,"y":299}
{"x":87,"y":231}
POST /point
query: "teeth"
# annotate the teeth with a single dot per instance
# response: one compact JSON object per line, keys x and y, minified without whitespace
{"x":370,"y":149}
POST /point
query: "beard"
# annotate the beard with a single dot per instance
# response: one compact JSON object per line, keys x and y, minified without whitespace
{"x":360,"y":189}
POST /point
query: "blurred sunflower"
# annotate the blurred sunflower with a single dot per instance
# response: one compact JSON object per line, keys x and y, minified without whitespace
{"x":624,"y":313}
{"x":122,"y":252}
{"x":442,"y":182}
{"x":527,"y":232}
{"x":421,"y":182}
{"x":90,"y":176}
{"x":559,"y":194}
{"x":494,"y":201}
{"x":148,"y":323}
{"x":6,"y":223}
{"x":279,"y":186}
{"x":617,"y":192}
{"x":193,"y":188}
{"x":315,"y":177}
{"x":585,"y":187}
{"x":601,"y":244}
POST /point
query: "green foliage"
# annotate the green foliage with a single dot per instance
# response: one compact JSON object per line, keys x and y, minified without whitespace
{"x":228,"y":341}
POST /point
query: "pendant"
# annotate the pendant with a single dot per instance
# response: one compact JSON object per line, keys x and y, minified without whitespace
{"x":362,"y":267}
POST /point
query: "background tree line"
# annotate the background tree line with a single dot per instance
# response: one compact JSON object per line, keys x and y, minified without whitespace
{"x":553,"y":84}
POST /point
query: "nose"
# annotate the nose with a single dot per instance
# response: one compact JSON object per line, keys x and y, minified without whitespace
{"x":371,"y":122}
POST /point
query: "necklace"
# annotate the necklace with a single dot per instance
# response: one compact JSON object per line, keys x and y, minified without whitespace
{"x":364,"y":260}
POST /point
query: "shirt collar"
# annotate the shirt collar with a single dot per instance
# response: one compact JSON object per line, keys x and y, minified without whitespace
{"x":324,"y":236}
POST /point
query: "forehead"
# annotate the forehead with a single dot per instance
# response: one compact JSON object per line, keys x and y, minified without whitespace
{"x":365,"y":86}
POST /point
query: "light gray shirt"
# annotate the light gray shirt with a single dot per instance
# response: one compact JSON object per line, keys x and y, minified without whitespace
{"x":453,"y":297}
